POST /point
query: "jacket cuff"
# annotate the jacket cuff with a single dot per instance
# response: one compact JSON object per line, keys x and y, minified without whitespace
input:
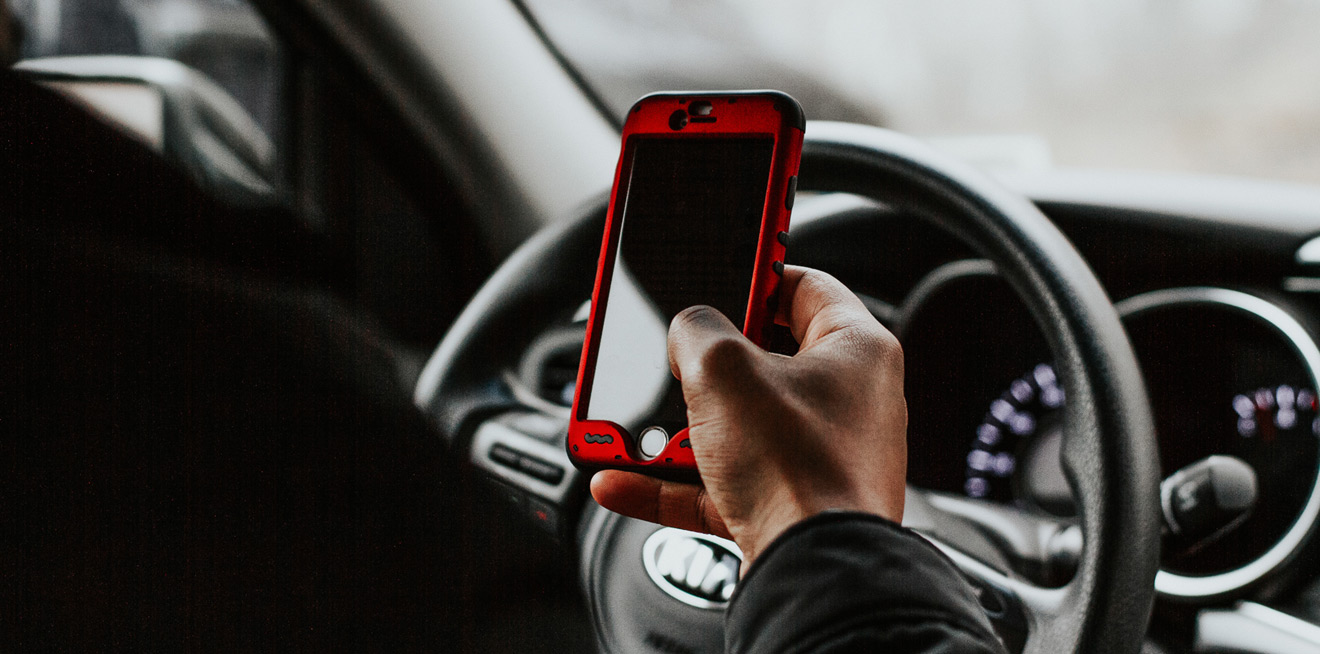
{"x":839,"y":571}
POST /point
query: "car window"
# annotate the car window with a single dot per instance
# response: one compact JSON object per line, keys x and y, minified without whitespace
{"x":1218,"y":86}
{"x":226,"y":40}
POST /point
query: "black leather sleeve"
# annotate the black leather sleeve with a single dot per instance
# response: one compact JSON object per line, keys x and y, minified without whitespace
{"x":851,"y":582}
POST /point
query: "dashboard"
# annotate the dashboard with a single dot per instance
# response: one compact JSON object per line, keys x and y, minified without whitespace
{"x":1217,"y":283}
{"x":1214,"y":285}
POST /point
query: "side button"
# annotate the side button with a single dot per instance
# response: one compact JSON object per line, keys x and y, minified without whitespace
{"x":792,"y":191}
{"x":783,"y":238}
{"x":779,"y":267}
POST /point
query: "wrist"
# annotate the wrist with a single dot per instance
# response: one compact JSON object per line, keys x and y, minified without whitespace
{"x":755,"y":536}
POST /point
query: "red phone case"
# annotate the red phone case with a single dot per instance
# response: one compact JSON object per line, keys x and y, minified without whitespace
{"x":599,"y":444}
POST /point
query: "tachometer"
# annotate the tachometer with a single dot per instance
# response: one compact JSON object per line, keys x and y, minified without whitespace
{"x":1275,"y":429}
{"x":1230,"y":373}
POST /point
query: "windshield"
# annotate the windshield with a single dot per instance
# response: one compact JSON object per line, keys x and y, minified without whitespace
{"x":1211,"y":86}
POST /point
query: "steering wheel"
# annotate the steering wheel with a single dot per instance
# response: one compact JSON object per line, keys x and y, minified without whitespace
{"x":1108,"y":449}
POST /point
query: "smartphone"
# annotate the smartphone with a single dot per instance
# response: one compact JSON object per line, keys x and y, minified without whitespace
{"x":699,"y":215}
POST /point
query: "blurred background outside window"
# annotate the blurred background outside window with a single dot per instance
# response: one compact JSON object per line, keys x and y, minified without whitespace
{"x":1214,"y":86}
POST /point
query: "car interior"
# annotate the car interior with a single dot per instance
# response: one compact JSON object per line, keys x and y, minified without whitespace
{"x":295,"y":292}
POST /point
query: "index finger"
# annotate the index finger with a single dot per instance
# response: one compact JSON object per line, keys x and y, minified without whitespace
{"x":815,"y":305}
{"x":669,"y":503}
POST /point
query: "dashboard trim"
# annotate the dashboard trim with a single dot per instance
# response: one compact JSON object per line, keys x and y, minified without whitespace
{"x":1256,"y":628}
{"x":1301,"y":284}
{"x":1189,"y":587}
{"x":1309,"y":253}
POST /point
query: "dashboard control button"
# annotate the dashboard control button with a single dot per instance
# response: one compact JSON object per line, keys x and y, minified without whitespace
{"x":506,"y":456}
{"x":543,"y":470}
{"x":509,"y":495}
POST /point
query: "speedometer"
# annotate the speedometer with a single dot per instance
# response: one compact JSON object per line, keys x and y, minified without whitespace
{"x":1026,"y":408}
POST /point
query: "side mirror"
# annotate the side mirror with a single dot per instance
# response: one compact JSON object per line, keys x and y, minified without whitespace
{"x":175,"y":109}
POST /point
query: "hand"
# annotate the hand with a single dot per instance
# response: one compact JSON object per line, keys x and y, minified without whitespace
{"x":779,"y":439}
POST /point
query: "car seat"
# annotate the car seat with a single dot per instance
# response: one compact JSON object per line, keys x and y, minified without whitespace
{"x":199,"y":447}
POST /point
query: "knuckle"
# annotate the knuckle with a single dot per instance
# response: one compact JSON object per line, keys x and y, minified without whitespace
{"x":816,"y":279}
{"x":892,"y":353}
{"x":726,"y":354}
{"x":825,"y":286}
{"x":813,"y":285}
{"x":880,"y":343}
{"x":888,"y":345}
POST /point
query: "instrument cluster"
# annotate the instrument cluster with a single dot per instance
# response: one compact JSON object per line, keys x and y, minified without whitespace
{"x":1232,"y":380}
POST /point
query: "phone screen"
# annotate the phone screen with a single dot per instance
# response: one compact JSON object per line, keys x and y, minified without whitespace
{"x":690,"y":225}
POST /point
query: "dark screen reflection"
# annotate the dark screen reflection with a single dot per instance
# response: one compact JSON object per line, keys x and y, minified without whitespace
{"x":691,"y":225}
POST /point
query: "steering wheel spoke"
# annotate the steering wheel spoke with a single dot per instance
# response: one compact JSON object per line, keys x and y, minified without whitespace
{"x":1016,"y":608}
{"x":1043,"y":549}
{"x":1010,"y":557}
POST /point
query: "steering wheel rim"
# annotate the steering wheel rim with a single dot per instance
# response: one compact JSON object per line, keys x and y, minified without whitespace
{"x":1108,"y":451}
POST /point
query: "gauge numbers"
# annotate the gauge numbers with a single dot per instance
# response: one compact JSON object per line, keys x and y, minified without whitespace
{"x":1008,"y":426}
{"x":1265,"y":412}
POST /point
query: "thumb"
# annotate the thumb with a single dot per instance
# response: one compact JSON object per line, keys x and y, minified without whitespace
{"x":704,"y":346}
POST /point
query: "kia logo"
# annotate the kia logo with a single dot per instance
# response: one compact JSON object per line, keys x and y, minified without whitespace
{"x":696,"y":569}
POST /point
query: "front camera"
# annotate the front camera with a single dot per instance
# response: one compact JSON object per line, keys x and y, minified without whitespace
{"x":678,"y":120}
